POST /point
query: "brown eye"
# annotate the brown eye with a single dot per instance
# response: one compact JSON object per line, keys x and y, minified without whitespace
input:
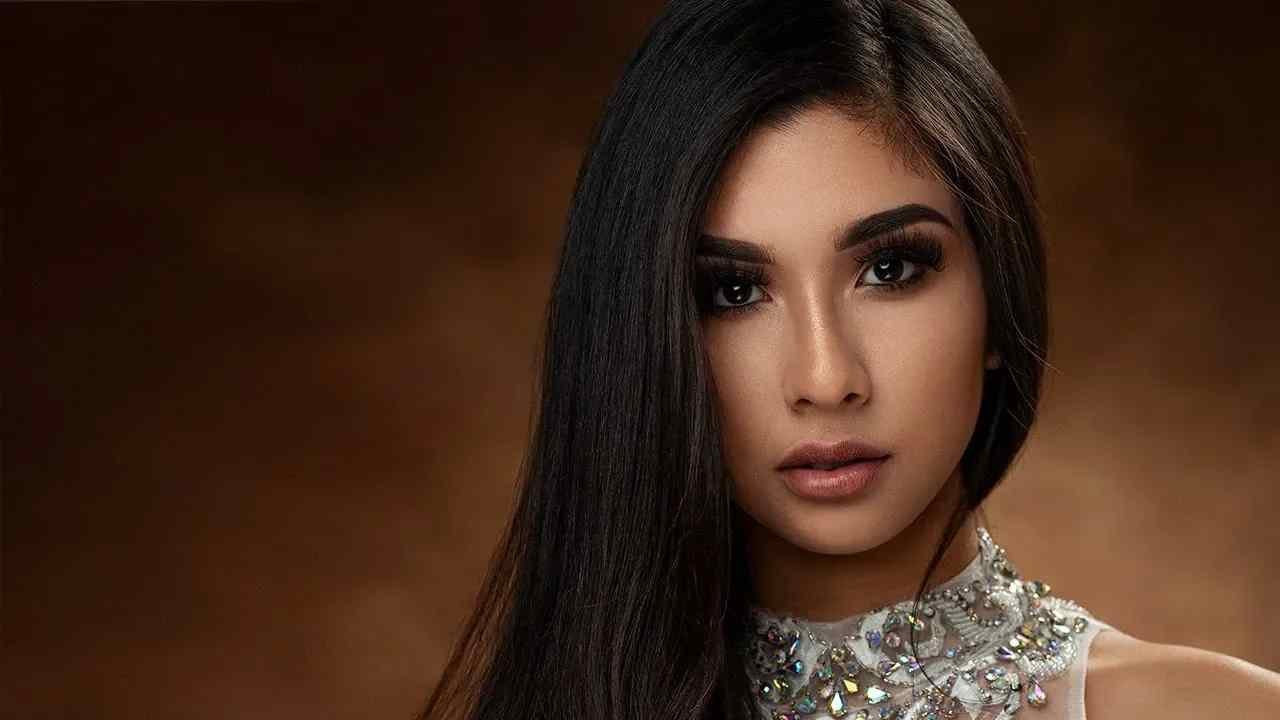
{"x":726,"y":287}
{"x":900,"y":260}
{"x":735,"y":294}
{"x":892,"y":271}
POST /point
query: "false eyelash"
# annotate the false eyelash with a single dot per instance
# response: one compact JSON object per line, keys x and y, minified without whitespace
{"x":715,"y":272}
{"x":900,"y":244}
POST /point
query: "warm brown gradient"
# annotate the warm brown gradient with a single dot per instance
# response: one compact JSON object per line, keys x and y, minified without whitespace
{"x":277,"y":275}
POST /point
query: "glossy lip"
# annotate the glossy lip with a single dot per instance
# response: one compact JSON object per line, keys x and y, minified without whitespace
{"x":846,"y":451}
{"x":858,"y":462}
{"x":841,"y":482}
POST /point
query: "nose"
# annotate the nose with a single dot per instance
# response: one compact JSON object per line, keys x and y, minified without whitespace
{"x":825,"y":368}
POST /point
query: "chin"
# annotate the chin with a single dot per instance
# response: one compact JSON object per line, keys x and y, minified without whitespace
{"x":826,"y":529}
{"x":840,"y":531}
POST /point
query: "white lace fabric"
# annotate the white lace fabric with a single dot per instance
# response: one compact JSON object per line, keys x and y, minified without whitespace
{"x":983,"y":645}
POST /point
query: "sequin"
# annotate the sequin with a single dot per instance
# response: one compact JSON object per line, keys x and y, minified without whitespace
{"x":873,"y":639}
{"x":781,"y":687}
{"x":984,"y":615}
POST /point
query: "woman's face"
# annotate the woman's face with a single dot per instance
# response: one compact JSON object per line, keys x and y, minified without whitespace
{"x":882,"y":342}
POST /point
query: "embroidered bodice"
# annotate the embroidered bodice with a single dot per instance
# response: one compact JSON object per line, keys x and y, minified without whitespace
{"x":982,"y":645}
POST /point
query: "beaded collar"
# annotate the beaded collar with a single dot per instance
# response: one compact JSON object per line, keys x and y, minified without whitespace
{"x":985,"y":640}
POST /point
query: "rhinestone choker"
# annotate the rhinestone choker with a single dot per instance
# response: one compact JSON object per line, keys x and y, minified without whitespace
{"x":983,"y":640}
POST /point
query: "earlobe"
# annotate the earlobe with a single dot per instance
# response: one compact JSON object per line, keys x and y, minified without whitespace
{"x":993,"y":360}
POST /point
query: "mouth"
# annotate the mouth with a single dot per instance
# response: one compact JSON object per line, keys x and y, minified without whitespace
{"x":831,"y":471}
{"x":830,"y":466}
{"x":830,"y":456}
{"x":833,"y":483}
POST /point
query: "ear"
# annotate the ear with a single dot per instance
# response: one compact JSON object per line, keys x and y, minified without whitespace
{"x":993,"y":360}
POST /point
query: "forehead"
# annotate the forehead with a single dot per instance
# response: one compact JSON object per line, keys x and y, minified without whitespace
{"x":813,"y":177}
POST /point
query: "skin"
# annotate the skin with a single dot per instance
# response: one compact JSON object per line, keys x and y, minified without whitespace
{"x":824,"y":355}
{"x":1131,"y":678}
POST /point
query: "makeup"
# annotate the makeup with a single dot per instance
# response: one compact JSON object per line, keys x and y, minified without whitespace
{"x":840,"y":482}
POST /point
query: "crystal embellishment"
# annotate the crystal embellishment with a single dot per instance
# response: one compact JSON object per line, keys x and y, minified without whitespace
{"x":875,"y":695}
{"x":986,"y":639}
{"x":1035,"y":694}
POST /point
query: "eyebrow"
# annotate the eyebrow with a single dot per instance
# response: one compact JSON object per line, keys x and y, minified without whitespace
{"x":858,"y":232}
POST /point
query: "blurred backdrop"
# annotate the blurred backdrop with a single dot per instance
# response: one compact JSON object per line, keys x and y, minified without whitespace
{"x":276,"y":274}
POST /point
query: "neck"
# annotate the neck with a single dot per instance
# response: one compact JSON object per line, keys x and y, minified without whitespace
{"x":859,"y":582}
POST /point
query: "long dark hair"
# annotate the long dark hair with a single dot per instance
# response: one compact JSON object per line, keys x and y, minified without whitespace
{"x":620,"y":583}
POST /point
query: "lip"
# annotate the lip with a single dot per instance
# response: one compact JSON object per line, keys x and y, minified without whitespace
{"x":841,"y":482}
{"x":859,"y":465}
{"x":845,"y":451}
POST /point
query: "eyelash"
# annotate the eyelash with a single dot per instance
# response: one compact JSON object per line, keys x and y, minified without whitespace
{"x":913,"y":246}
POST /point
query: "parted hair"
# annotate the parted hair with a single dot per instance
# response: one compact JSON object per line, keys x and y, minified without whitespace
{"x":620,"y":583}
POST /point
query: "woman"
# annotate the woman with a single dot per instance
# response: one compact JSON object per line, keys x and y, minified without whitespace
{"x":795,"y":339}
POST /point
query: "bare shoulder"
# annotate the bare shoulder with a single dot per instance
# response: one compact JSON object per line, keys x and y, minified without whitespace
{"x":1136,"y":680}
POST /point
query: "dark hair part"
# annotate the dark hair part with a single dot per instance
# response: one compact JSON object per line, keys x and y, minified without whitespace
{"x":620,"y":583}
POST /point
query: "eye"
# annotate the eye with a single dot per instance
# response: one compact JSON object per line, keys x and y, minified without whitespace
{"x":730,"y":287}
{"x":891,"y":270}
{"x":899,"y":260}
{"x":737,"y":293}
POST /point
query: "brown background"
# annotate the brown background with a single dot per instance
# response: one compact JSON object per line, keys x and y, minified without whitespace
{"x":276,"y":274}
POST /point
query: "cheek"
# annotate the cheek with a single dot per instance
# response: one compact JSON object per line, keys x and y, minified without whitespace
{"x":744,"y":362}
{"x":930,"y":368}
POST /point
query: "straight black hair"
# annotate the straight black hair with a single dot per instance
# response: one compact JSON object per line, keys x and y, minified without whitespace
{"x":620,"y":583}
